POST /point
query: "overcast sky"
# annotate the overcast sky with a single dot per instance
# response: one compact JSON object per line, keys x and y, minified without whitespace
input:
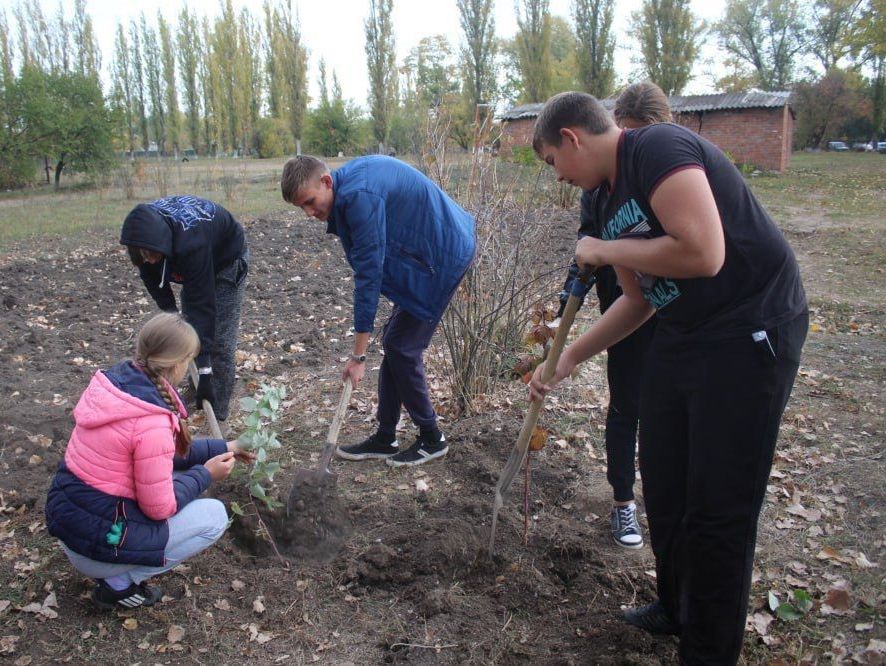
{"x":333,"y":30}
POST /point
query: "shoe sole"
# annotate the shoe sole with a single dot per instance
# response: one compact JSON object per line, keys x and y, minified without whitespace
{"x":420,"y":461}
{"x":628,"y":546}
{"x":344,"y":455}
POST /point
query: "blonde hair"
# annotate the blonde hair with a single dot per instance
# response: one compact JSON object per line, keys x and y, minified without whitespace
{"x":163,"y":343}
{"x":297,"y":172}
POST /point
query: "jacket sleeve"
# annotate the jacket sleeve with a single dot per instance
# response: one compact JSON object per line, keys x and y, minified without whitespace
{"x":365,"y":218}
{"x":152,"y":472}
{"x":587,"y":224}
{"x":201,"y":450}
{"x":151,"y":275}
{"x":198,"y":297}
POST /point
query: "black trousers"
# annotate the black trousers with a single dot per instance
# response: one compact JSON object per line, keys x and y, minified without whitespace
{"x":624,"y":372}
{"x":708,"y":427}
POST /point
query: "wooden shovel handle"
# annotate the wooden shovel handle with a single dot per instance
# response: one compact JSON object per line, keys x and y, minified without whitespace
{"x":207,"y":406}
{"x":337,"y":420}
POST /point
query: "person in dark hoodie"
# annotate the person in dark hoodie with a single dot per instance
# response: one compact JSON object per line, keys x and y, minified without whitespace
{"x":124,"y":500}
{"x":198,"y":244}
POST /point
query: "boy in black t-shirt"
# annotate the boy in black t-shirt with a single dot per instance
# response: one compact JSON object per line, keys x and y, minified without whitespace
{"x":689,"y":241}
{"x":638,"y":105}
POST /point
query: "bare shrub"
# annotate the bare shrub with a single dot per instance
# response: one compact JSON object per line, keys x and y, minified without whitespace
{"x":125,"y":177}
{"x":161,"y":173}
{"x":228,"y":183}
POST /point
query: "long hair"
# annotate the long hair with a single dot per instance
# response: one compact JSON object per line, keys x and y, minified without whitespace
{"x":163,"y":343}
{"x":643,"y":102}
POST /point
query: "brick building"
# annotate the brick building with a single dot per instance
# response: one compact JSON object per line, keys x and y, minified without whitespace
{"x":753,"y":127}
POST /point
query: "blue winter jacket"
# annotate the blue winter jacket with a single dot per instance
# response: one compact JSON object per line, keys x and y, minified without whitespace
{"x":82,"y":516}
{"x":403,"y":237}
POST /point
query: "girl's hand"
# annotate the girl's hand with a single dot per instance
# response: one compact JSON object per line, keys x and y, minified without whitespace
{"x":240,"y":454}
{"x":538,"y":389}
{"x":220,"y":466}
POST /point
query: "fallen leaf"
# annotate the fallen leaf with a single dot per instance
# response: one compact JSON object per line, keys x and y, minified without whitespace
{"x":836,"y":602}
{"x":237,"y":585}
{"x":175,"y":633}
{"x":4,"y":604}
{"x":222,"y":604}
{"x":760,"y":623}
{"x":24,"y":661}
{"x":812,"y":515}
{"x":7,"y":644}
{"x":258,"y":605}
{"x":130,"y":624}
{"x":538,"y":439}
{"x":421,"y":486}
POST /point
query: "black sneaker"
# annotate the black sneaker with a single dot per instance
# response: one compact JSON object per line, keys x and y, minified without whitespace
{"x":371,"y":448}
{"x":652,"y":618}
{"x":105,"y":596}
{"x":625,"y":528}
{"x":421,"y":452}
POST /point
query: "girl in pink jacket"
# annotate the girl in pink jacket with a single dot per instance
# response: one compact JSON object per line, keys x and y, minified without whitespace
{"x":124,"y":500}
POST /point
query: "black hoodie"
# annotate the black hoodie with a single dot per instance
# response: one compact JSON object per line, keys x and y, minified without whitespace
{"x":197,"y":238}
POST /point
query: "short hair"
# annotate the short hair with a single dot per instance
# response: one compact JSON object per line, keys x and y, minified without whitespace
{"x":298,"y":171}
{"x":569,"y":109}
{"x":644,"y":102}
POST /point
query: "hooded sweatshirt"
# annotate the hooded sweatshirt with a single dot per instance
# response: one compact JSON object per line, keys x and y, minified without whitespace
{"x":118,"y":468}
{"x":197,"y":238}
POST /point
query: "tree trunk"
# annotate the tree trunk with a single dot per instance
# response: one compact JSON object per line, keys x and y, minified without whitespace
{"x":58,"y":172}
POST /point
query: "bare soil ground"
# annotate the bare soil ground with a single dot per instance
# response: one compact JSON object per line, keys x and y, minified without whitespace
{"x":414,"y":583}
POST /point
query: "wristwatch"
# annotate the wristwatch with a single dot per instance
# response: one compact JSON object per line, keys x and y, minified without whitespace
{"x":358,"y":358}
{"x":204,"y":371}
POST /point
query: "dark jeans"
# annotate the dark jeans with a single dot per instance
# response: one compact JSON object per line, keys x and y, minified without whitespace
{"x":401,"y":379}
{"x":624,"y":371}
{"x":708,"y":427}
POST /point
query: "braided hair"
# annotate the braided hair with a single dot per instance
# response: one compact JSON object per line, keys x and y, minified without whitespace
{"x":163,"y":343}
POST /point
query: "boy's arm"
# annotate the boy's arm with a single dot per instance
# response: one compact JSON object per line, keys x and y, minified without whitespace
{"x":164,"y":298}
{"x":694,"y":244}
{"x":365,"y":216}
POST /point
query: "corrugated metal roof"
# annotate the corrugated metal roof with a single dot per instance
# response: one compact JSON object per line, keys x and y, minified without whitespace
{"x":751,"y":99}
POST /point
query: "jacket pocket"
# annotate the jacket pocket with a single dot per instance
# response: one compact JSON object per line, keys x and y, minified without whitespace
{"x":417,"y":260}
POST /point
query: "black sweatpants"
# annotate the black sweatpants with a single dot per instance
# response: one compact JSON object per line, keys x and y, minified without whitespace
{"x":708,"y":427}
{"x":624,"y":372}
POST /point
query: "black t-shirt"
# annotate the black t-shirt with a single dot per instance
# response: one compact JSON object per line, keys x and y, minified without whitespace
{"x":758,"y":286}
{"x":592,"y":204}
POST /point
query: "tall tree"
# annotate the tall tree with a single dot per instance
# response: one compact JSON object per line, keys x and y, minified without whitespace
{"x":190,"y":54}
{"x":334,"y":126}
{"x":209,"y":86}
{"x":832,"y":25}
{"x":88,"y":53}
{"x":382,"y":66}
{"x":139,"y":85}
{"x":869,"y":48}
{"x":170,"y":89}
{"x":766,"y":34}
{"x":293,"y":57}
{"x":824,"y":105}
{"x":669,"y":36}
{"x":154,"y":80}
{"x":596,"y":45}
{"x":478,"y":50}
{"x":564,"y":52}
{"x":533,"y":45}
{"x":249,"y":74}
{"x":435,"y":72}
{"x":123,"y":85}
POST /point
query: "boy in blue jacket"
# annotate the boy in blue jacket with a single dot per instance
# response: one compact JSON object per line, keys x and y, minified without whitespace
{"x":407,"y":240}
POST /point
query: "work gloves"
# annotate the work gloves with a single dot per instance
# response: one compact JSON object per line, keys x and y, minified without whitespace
{"x":205,"y":391}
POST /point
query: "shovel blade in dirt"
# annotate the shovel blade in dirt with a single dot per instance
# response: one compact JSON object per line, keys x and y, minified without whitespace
{"x":308,"y":484}
{"x":580,"y":287}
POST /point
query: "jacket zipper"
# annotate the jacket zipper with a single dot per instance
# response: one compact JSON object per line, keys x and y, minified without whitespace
{"x":421,"y":262}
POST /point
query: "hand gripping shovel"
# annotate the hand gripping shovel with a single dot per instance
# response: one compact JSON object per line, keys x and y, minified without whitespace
{"x":207,"y":406}
{"x":580,"y":287}
{"x":319,"y":524}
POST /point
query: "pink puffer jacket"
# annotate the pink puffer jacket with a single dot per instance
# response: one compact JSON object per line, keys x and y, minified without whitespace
{"x":124,"y":446}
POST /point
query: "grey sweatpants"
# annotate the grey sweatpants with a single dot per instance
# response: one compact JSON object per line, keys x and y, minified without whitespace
{"x":193,"y":529}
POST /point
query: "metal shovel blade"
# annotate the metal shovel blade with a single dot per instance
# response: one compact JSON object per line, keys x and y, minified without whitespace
{"x":318,"y":521}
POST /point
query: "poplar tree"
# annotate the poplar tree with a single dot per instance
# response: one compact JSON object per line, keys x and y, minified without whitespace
{"x":293,"y":60}
{"x":123,"y":88}
{"x":154,"y":80}
{"x":139,"y":87}
{"x":170,"y":96}
{"x":669,"y":36}
{"x":596,"y":44}
{"x":190,"y":54}
{"x":533,"y":46}
{"x":381,"y":63}
{"x":478,"y":50}
{"x":88,"y":53}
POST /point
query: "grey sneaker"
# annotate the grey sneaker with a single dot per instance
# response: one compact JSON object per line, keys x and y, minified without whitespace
{"x":419,"y":453}
{"x":371,"y":448}
{"x":625,"y":528}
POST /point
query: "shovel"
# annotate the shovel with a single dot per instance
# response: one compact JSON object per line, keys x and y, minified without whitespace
{"x":306,"y":481}
{"x":207,"y":406}
{"x":580,"y":287}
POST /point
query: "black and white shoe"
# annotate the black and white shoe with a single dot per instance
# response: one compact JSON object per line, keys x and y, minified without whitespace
{"x":652,"y":618}
{"x":371,"y":448}
{"x":625,"y":528}
{"x":421,"y":452}
{"x":105,"y":596}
